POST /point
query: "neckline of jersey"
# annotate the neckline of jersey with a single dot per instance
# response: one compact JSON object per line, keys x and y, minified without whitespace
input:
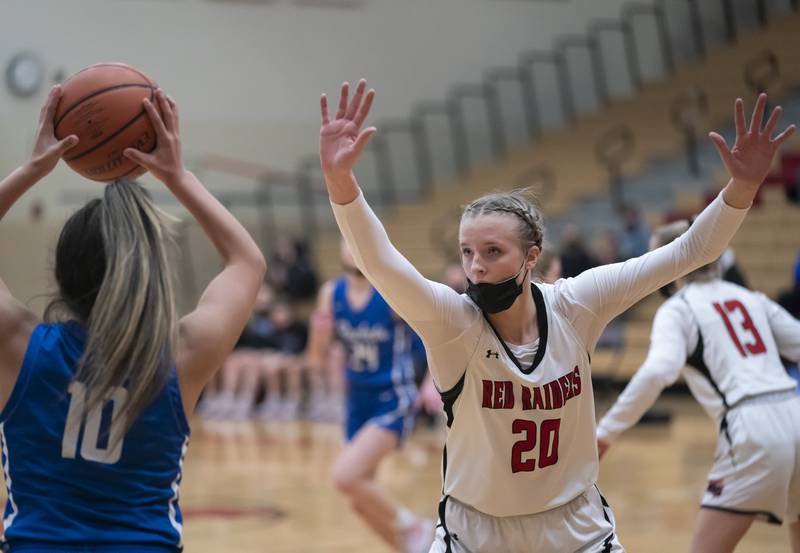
{"x":541,"y":319}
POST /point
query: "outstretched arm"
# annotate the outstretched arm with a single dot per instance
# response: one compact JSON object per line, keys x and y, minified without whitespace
{"x":605,"y":292}
{"x":47,"y":151}
{"x":16,"y":320}
{"x":669,"y":349}
{"x":207,"y":334}
{"x":434,"y":311}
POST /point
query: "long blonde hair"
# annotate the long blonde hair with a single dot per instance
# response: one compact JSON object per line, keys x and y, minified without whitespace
{"x":112,"y":268}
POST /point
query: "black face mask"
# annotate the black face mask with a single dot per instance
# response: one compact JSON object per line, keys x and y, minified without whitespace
{"x":494,"y":298}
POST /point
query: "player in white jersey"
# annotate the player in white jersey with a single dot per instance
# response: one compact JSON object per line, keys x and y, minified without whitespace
{"x":512,"y":357}
{"x":727,"y":342}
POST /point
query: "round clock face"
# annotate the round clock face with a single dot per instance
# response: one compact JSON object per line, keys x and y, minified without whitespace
{"x":24,"y":74}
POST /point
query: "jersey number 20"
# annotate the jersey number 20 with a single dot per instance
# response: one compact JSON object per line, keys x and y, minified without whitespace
{"x":108,"y":452}
{"x":548,"y":444}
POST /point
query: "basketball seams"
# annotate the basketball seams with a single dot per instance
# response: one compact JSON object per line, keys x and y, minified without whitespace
{"x":98,"y":93}
{"x":108,"y":138}
{"x":116,"y":89}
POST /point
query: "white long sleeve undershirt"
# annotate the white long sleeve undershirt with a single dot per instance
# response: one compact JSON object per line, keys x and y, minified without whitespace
{"x":450,"y":324}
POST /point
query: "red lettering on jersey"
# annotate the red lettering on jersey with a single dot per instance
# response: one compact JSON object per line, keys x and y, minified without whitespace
{"x":548,"y":432}
{"x":508,"y":395}
{"x":548,"y":442}
{"x":538,"y":402}
{"x":548,"y":397}
{"x":488,"y":386}
{"x":566,"y":386}
{"x":523,"y":446}
{"x":526,"y":399}
{"x":498,"y":396}
{"x":576,"y":381}
{"x":755,"y":348}
{"x":555,"y":390}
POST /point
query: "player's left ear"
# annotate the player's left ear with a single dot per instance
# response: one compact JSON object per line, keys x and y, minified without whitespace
{"x":533,"y":257}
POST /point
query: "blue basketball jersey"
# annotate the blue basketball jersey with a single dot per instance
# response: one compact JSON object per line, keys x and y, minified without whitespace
{"x":378,"y":343}
{"x":72,"y":485}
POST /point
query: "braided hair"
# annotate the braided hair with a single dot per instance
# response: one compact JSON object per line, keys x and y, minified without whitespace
{"x":518,"y":203}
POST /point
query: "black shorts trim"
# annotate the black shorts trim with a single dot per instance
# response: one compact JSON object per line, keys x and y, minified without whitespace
{"x":763,"y":515}
{"x":443,"y":524}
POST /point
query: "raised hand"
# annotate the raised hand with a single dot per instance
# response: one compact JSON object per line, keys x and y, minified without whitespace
{"x":341,"y":140}
{"x":47,"y":149}
{"x":165,"y":162}
{"x":749,"y":160}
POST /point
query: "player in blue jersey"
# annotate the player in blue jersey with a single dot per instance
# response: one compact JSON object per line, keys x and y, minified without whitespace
{"x":380,"y":396}
{"x":93,"y":408}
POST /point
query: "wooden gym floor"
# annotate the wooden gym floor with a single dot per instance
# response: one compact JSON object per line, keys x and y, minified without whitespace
{"x":264,"y":488}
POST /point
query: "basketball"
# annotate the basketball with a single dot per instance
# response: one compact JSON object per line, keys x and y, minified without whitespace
{"x":102,"y":105}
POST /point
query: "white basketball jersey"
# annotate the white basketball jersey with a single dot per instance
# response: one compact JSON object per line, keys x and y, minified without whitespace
{"x":523,"y":437}
{"x":736,"y":355}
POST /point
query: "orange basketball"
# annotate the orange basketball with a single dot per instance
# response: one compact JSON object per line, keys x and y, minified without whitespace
{"x":102,"y":105}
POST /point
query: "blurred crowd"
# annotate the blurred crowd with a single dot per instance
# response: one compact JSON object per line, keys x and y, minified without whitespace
{"x":267,"y":377}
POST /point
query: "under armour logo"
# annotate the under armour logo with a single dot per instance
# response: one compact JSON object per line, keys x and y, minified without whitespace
{"x":490,"y":353}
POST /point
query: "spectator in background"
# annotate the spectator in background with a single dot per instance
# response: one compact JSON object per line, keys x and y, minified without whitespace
{"x":291,"y":270}
{"x":605,"y":247}
{"x":730,"y":269}
{"x":234,"y":398}
{"x":548,"y":268}
{"x":788,"y":176}
{"x":575,"y":258}
{"x":634,"y":236}
{"x":454,"y":277}
{"x":283,"y":360}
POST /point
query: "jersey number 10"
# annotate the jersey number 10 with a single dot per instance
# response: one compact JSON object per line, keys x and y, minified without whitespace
{"x":108,"y":452}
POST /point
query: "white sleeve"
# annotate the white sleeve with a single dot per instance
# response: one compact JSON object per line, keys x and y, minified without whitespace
{"x":785,"y":329}
{"x":596,"y":296}
{"x":669,"y":349}
{"x":436,"y":312}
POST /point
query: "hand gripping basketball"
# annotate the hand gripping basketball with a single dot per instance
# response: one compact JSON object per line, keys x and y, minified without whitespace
{"x":165,"y":162}
{"x":48,"y":149}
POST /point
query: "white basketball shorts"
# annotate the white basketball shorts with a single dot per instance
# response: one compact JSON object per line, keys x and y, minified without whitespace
{"x":757,"y":464}
{"x":585,"y":525}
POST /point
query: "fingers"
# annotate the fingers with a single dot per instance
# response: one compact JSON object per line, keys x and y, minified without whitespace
{"x":166,"y":110}
{"x":343,"y":100}
{"x":769,"y":128}
{"x":784,"y":136}
{"x":352,"y":109}
{"x":365,"y":107}
{"x":323,"y":108}
{"x":66,"y":144}
{"x":758,"y":113}
{"x":137,"y":157}
{"x":155,"y":118}
{"x":175,"y":117}
{"x":739,"y":117}
{"x":362,"y":139}
{"x":48,"y":111}
{"x":722,"y":147}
